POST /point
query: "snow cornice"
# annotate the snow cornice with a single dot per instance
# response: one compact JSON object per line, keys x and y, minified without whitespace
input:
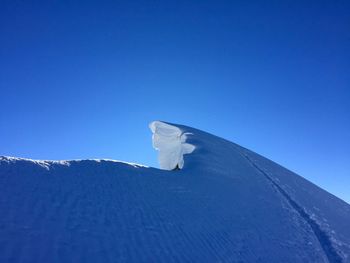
{"x":171,"y":143}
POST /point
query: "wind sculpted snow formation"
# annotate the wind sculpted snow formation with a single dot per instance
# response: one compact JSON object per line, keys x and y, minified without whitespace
{"x":226,"y":204}
{"x":170,"y":141}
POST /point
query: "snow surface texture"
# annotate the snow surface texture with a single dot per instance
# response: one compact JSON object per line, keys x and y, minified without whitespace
{"x":170,"y":141}
{"x":227,"y":204}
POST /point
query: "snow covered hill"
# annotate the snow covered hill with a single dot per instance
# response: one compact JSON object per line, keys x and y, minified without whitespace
{"x":223,"y":203}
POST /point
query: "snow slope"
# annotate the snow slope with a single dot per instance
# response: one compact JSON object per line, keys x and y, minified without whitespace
{"x":226,"y":204}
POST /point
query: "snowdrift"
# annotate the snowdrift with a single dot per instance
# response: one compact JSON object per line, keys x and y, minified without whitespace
{"x":225,"y":204}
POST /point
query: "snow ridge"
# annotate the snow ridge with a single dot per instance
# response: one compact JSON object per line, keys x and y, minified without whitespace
{"x":43,"y":163}
{"x":322,"y":236}
{"x":227,"y":204}
{"x":47,"y":164}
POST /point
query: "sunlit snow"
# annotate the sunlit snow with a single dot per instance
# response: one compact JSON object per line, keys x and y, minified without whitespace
{"x":170,"y":141}
{"x":225,"y":204}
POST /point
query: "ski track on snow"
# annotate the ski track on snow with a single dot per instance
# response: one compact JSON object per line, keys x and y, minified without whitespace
{"x":322,"y":236}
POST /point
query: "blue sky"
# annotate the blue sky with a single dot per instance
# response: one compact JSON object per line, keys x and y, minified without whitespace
{"x":82,"y":79}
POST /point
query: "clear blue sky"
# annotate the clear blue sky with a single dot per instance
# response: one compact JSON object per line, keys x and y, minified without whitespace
{"x":82,"y":79}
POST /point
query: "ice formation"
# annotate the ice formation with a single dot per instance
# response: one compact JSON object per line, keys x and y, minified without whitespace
{"x":170,"y":141}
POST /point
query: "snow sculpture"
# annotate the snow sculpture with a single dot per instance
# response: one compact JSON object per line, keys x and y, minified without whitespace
{"x":170,"y":141}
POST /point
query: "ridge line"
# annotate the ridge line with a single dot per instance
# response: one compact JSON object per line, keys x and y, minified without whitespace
{"x":322,"y":237}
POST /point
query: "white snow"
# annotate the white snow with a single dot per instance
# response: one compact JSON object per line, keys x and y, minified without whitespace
{"x":170,"y":141}
{"x":226,"y":204}
{"x":43,"y":163}
{"x":48,"y":163}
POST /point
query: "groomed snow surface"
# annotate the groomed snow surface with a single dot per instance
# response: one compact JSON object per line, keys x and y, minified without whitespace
{"x":225,"y":204}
